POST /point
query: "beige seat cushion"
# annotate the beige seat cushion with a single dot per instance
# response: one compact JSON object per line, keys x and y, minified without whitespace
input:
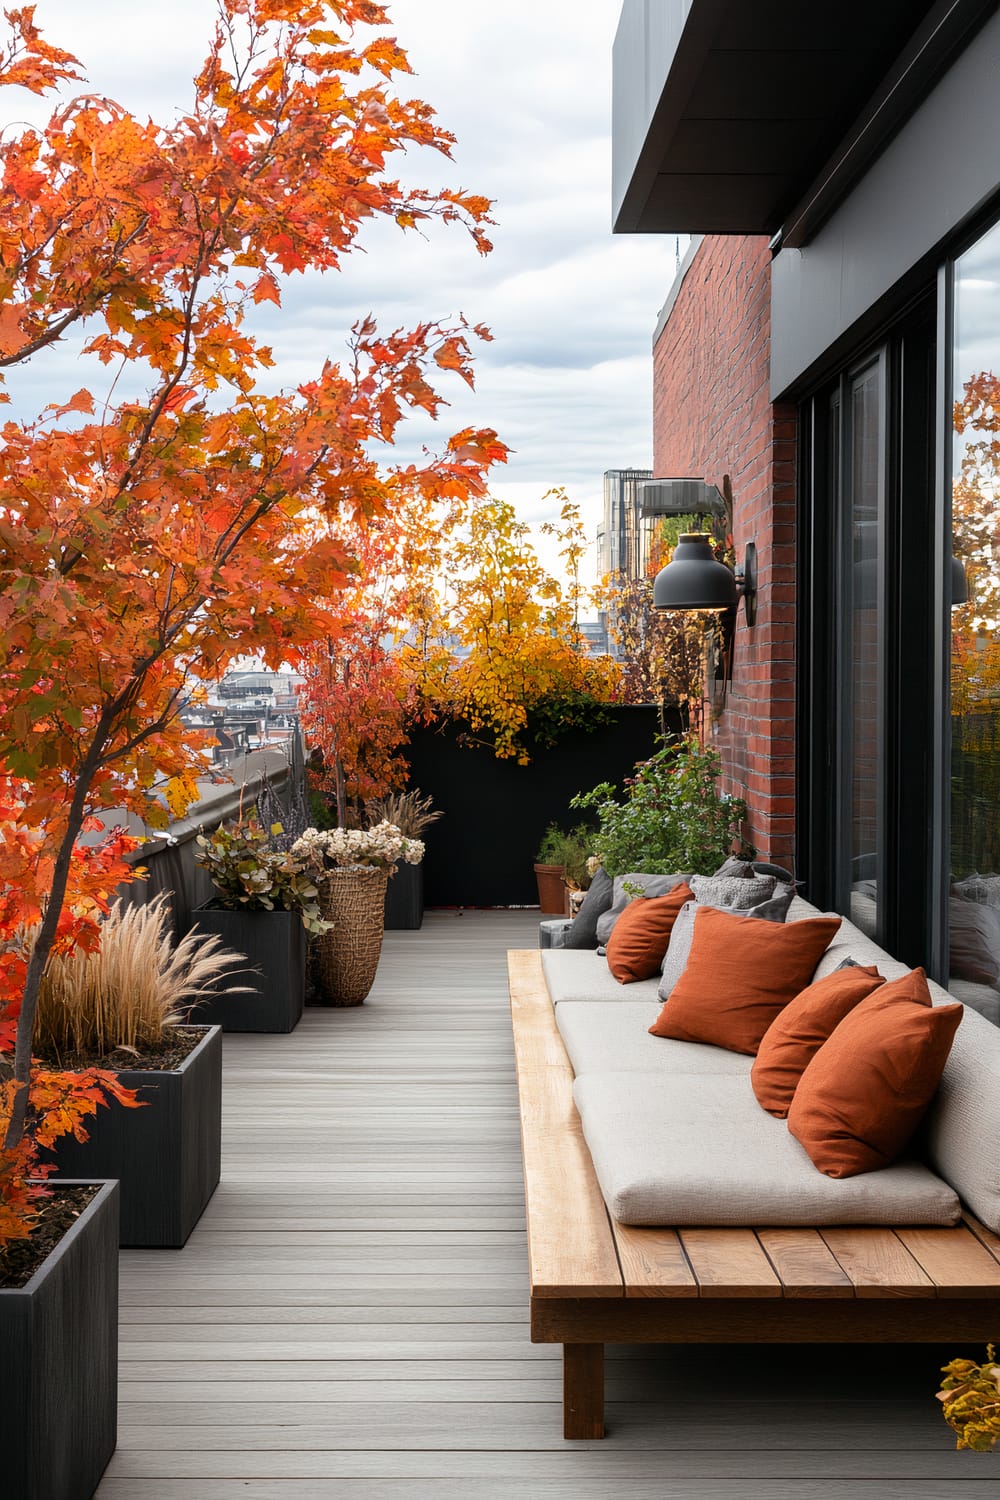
{"x":689,"y":1149}
{"x":579,"y":974}
{"x":615,"y":1038}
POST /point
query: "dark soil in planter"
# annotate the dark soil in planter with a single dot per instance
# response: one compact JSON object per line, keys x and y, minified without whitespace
{"x":173,"y":1049}
{"x":167,"y":1156}
{"x":21,"y":1259}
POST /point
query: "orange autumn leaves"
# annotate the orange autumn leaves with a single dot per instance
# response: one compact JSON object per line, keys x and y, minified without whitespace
{"x":148,"y":539}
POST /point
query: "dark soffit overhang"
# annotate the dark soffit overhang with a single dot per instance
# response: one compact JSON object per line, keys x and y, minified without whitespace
{"x":753,"y":116}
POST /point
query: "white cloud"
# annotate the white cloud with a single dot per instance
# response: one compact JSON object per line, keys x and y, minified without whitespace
{"x":526,"y":88}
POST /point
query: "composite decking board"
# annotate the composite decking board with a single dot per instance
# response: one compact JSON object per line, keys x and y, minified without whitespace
{"x":406,"y":1488}
{"x":540,"y":1468}
{"x":399,"y":1120}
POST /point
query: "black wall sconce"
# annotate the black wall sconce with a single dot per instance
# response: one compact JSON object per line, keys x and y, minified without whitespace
{"x":696,"y":580}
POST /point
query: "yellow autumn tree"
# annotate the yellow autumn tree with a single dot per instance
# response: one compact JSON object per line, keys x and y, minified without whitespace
{"x":498,"y":645}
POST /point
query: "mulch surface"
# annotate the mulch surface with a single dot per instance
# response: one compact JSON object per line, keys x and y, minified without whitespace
{"x":175,"y":1047}
{"x":21,"y":1259}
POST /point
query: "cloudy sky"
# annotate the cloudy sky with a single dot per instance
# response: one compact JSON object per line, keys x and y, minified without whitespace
{"x":525,"y":86}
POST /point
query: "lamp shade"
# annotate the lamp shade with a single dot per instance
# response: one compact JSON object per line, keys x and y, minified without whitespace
{"x":694,"y":579}
{"x":680,"y":497}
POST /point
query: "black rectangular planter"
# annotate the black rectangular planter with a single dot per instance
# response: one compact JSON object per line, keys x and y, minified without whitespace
{"x":404,"y":899}
{"x":59,"y":1362}
{"x":168,"y":1156}
{"x":275,"y":945}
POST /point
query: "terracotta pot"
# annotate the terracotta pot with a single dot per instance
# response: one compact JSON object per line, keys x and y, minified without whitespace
{"x":553,"y":897}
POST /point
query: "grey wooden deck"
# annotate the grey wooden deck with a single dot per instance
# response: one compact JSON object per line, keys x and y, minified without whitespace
{"x":349,"y":1319}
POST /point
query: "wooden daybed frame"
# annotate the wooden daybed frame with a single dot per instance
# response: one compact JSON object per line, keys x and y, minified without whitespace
{"x":595,"y":1281}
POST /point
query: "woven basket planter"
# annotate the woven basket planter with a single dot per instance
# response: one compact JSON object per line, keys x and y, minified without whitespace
{"x":347,"y":956}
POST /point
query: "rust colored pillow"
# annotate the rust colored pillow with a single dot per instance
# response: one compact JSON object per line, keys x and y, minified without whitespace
{"x":740,"y":973}
{"x":639,"y":938}
{"x":799,"y":1031}
{"x":862,"y":1096}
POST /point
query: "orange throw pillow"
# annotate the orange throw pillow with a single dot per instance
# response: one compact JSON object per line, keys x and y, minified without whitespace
{"x":639,"y":938}
{"x":739,"y":974}
{"x":862,"y":1096}
{"x":799,"y":1031}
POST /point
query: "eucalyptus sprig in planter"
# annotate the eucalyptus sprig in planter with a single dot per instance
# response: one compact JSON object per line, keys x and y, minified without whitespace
{"x":267,"y":903}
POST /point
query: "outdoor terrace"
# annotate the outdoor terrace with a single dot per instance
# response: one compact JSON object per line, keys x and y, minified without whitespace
{"x":350,"y":1317}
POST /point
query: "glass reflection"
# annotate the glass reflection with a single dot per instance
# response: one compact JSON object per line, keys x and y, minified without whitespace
{"x":974,"y":907}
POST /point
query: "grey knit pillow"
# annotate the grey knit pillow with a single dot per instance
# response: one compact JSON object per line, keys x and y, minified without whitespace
{"x":732,"y":891}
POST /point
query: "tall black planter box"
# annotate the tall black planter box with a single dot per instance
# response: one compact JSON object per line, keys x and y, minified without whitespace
{"x":168,"y":1156}
{"x":275,"y":945}
{"x":404,"y":899}
{"x":59,"y":1362}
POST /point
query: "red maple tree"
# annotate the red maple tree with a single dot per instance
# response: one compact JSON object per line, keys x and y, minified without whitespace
{"x":145,"y":538}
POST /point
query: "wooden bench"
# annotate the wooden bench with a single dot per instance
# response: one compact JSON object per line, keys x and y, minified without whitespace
{"x":595,"y":1281}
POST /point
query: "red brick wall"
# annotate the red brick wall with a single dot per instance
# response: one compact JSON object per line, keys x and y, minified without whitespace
{"x":712,"y":415}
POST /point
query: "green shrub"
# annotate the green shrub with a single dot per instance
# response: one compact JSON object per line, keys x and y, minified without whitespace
{"x":570,"y":848}
{"x":673,"y":816}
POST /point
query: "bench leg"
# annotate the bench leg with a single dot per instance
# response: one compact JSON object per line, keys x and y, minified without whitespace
{"x":583,"y":1390}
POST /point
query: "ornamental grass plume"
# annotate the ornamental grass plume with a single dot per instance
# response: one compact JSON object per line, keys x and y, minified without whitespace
{"x":408,"y":811}
{"x":129,"y":993}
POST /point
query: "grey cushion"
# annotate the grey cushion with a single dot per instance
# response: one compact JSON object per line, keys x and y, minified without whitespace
{"x":742,"y":869}
{"x":679,"y":948}
{"x":850,"y":942}
{"x":600,"y":1039}
{"x":583,"y":930}
{"x":579,"y":975}
{"x":552,"y":932}
{"x":974,"y":941}
{"x":982,"y":888}
{"x":652,"y":885}
{"x":776,"y":908}
{"x":690,"y":1149}
{"x":981,"y":997}
{"x":961,"y":1132}
{"x":731,"y":890}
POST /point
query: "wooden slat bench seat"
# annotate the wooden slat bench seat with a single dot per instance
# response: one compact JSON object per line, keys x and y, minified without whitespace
{"x":595,"y":1281}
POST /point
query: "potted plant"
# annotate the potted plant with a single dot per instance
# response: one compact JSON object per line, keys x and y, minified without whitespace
{"x":970,"y":1398}
{"x":266,"y":904}
{"x":125,"y":1006}
{"x":672,"y":818}
{"x":58,"y":1297}
{"x":404,"y":896}
{"x":351,"y":867}
{"x":562,"y":866}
